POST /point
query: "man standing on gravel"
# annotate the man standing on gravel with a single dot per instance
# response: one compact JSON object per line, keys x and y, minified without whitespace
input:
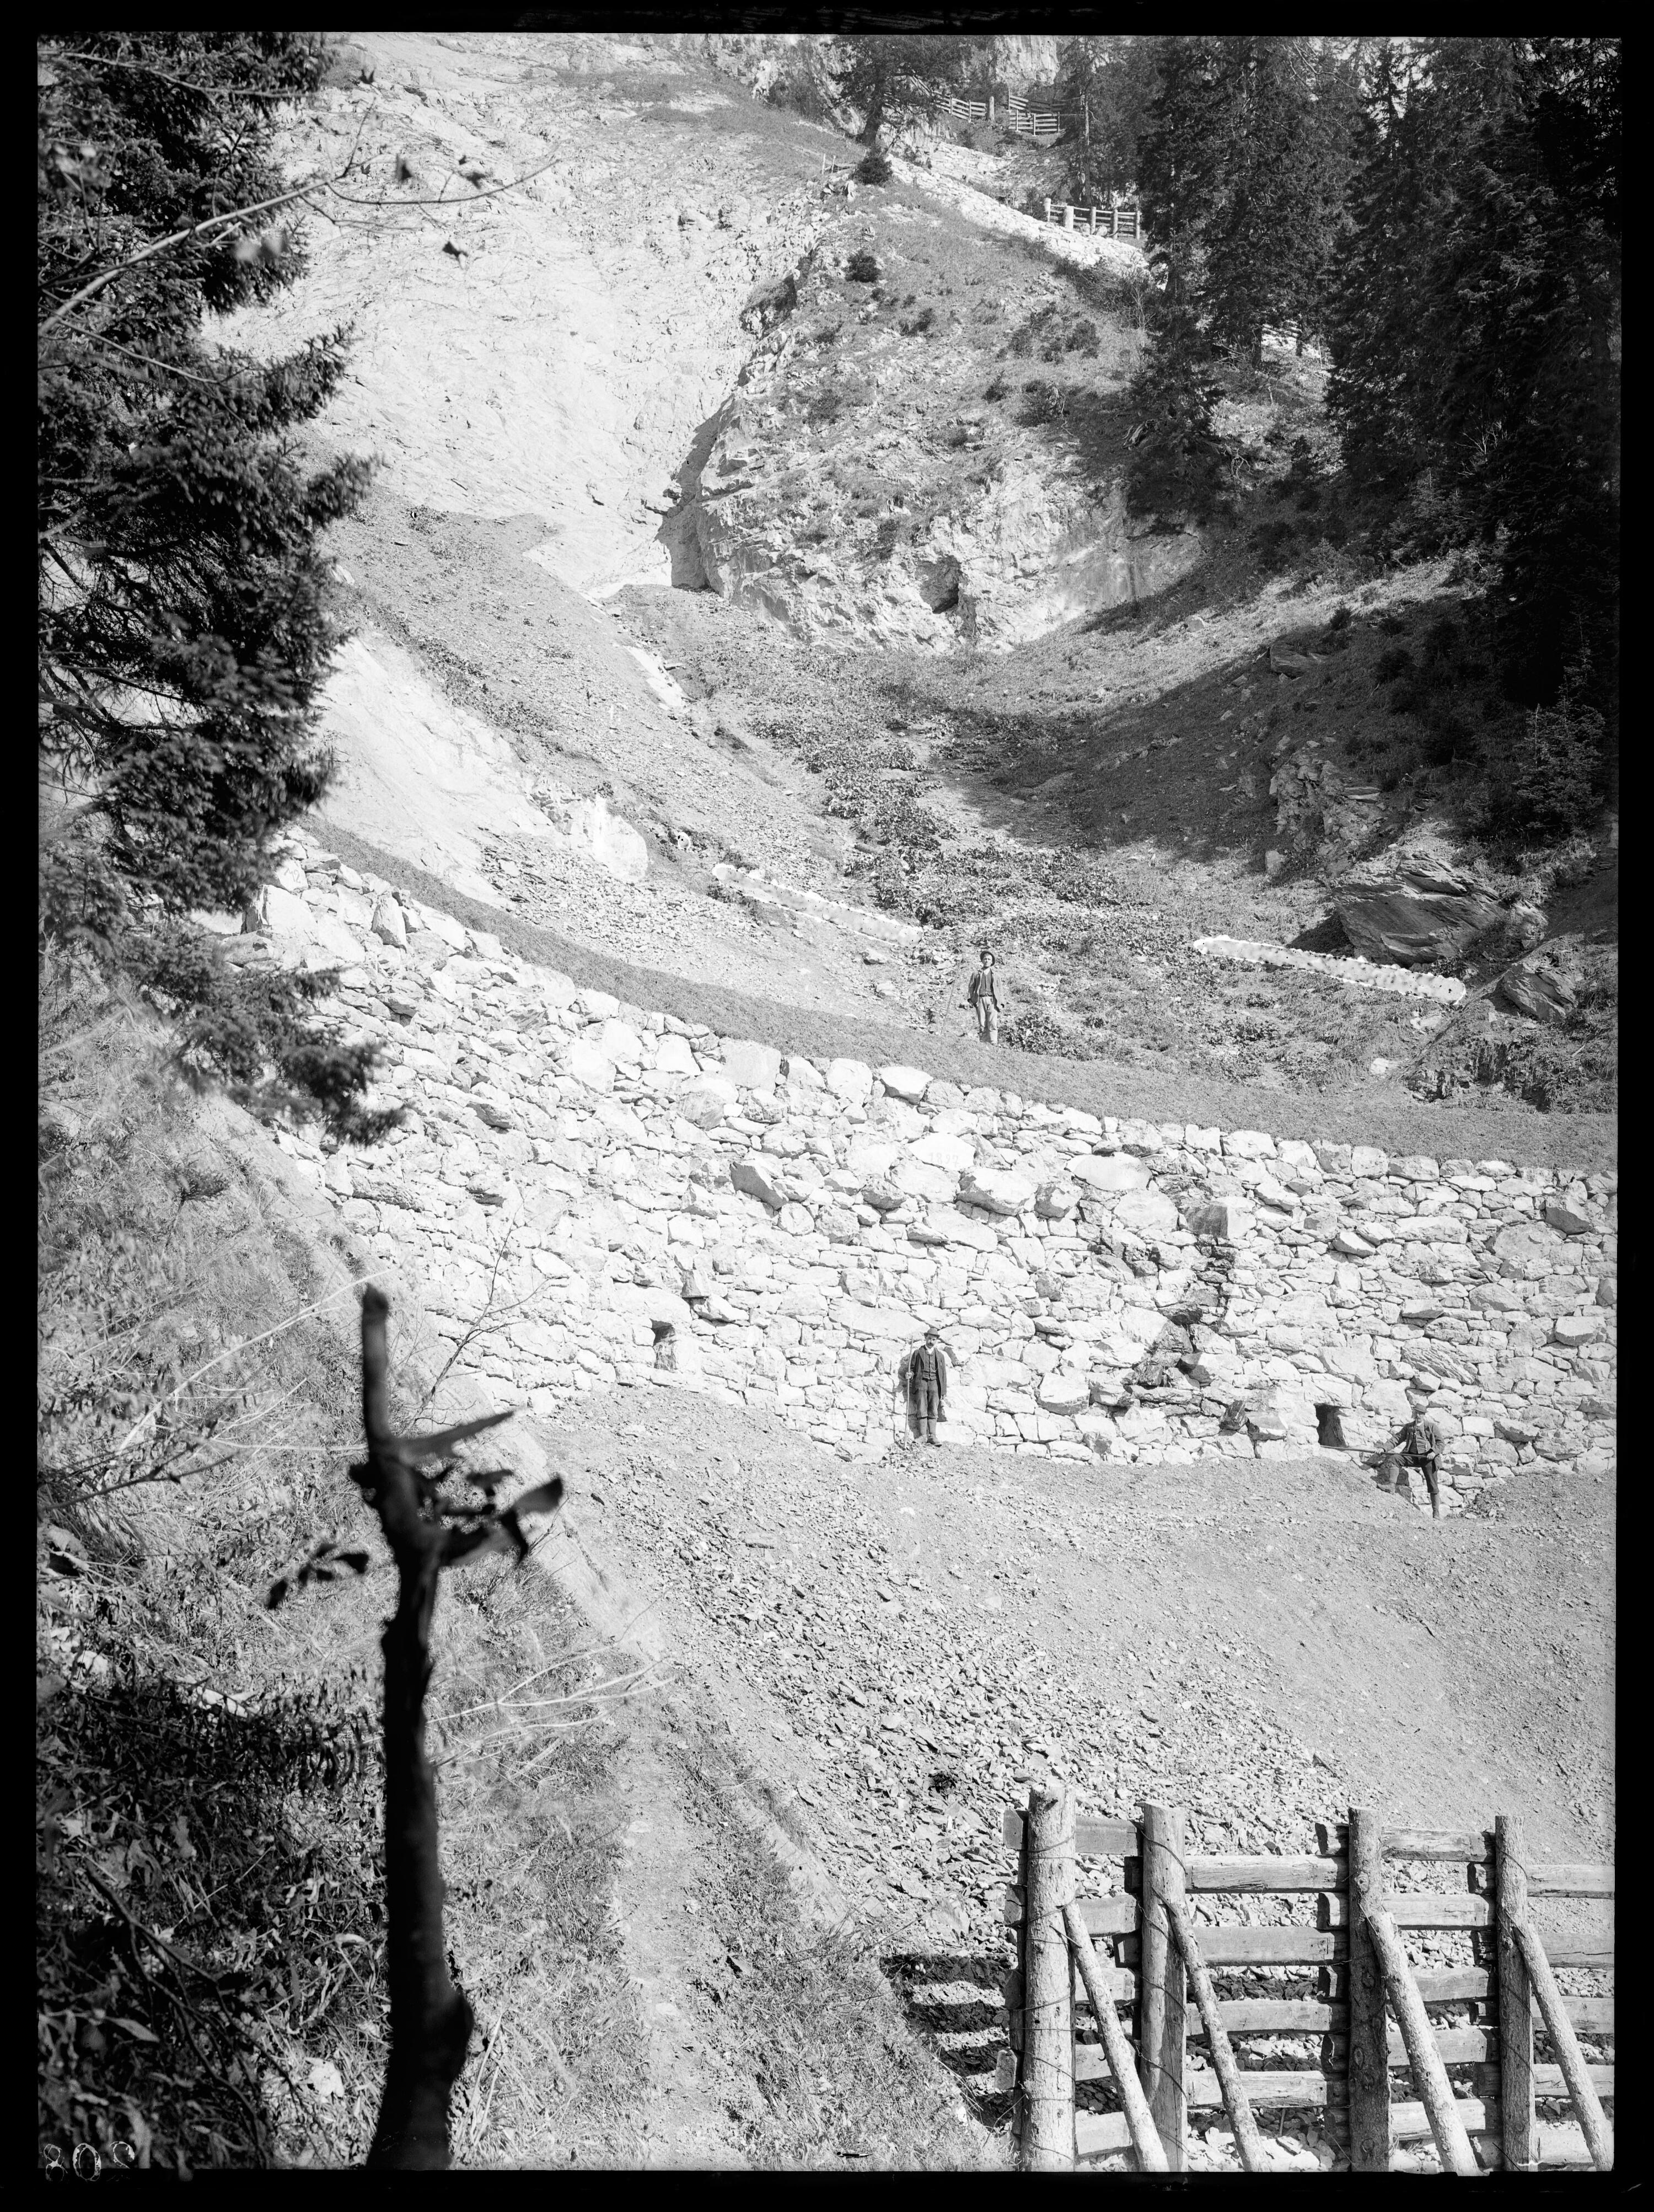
{"x":982,"y":997}
{"x":1420,"y":1441}
{"x":926,"y":1385}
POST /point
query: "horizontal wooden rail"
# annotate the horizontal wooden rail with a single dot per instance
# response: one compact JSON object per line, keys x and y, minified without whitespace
{"x":1251,"y":1877}
{"x":1556,"y":1881}
{"x":1104,"y":1916}
{"x":1098,"y":1838}
{"x":1263,"y":2086}
{"x":1333,"y":1836}
{"x":1420,"y":1909}
{"x":1266,"y":2087}
{"x":1563,"y":2145}
{"x":1222,"y":1947}
{"x":1455,"y":2046}
{"x":1282,"y":2016}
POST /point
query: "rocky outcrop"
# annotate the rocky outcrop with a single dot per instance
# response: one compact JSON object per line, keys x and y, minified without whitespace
{"x":1425,"y":910}
{"x":1110,"y":1288}
{"x":995,"y":565}
{"x":1544,"y":993}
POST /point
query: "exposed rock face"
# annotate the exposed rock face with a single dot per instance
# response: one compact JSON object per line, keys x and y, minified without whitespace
{"x":999,"y":564}
{"x":1538,"y":991}
{"x":1427,"y":910}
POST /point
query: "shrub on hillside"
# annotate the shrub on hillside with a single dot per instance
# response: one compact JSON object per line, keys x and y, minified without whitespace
{"x":1544,"y":780}
{"x":1397,"y":661}
{"x":863,"y":267}
{"x":873,"y":169}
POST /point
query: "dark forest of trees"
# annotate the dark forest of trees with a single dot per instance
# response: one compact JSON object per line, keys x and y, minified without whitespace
{"x":1443,"y":218}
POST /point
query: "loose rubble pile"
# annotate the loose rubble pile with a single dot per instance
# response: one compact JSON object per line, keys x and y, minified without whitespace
{"x":587,"y":1189}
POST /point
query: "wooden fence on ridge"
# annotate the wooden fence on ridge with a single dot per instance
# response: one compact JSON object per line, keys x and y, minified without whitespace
{"x":1014,"y":113}
{"x":1371,"y":2014}
{"x":1100,"y":222}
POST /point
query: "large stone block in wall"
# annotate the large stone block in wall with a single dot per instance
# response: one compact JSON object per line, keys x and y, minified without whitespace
{"x":1147,"y":1214}
{"x":945,"y":1225}
{"x":998,"y":1190}
{"x":1108,"y":1175}
{"x":759,"y":1180}
{"x":590,"y":1065}
{"x":955,"y":1154}
{"x":850,"y":1080}
{"x":872,"y":1159}
{"x":750,"y":1066}
{"x":1527,"y":1251}
{"x":917,"y":1179}
{"x":908,"y":1083}
{"x":1065,"y":1390}
{"x":707,"y":1102}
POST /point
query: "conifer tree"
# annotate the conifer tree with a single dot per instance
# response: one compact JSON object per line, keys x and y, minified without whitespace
{"x":185,"y":618}
{"x":1476,"y":333}
{"x":906,"y":75}
{"x":1105,"y":86}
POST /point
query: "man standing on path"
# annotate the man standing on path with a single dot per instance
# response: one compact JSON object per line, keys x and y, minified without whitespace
{"x":926,"y":1385}
{"x":982,"y":997}
{"x":1420,"y":1441}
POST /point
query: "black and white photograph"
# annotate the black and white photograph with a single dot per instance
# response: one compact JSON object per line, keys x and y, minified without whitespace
{"x":827,"y":1030}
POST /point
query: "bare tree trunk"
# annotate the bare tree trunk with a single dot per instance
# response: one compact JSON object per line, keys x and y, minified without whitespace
{"x":430,"y":2019}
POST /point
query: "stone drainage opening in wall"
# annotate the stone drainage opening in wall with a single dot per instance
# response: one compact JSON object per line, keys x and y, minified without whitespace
{"x":1329,"y":1428}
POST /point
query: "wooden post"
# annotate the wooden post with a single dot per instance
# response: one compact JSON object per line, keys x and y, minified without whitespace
{"x":1369,"y":2031}
{"x":1067,"y":218}
{"x":1223,"y":2056}
{"x":1517,"y":2130}
{"x":1593,"y":2121}
{"x":1160,"y":1984}
{"x":1151,"y":2157}
{"x":1429,"y":2074}
{"x":1047,"y":2145}
{"x":1047,"y":211}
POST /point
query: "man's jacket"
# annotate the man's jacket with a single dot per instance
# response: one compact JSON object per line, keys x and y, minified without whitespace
{"x":981,"y":986}
{"x":1421,"y":1440}
{"x":927,"y":1364}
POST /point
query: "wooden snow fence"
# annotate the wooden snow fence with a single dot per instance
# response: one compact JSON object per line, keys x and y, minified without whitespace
{"x":1125,"y":1960}
{"x":1043,"y":129}
{"x":1125,"y":221}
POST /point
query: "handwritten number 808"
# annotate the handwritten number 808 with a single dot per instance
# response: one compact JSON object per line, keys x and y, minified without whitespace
{"x":87,"y":2161}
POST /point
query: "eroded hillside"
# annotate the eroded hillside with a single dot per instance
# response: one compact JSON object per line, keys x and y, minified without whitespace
{"x":884,"y":632}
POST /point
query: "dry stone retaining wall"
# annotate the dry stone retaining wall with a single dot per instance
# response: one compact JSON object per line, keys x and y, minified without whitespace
{"x":590,"y":1193}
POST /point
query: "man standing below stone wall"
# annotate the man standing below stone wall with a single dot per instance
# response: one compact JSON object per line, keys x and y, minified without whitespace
{"x":925,"y":1385}
{"x":982,"y":996}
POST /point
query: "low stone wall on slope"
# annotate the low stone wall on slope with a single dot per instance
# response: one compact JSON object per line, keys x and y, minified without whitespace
{"x":588,"y":1193}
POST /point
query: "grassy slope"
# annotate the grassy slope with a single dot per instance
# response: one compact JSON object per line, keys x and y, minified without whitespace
{"x":1396,"y":1122}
